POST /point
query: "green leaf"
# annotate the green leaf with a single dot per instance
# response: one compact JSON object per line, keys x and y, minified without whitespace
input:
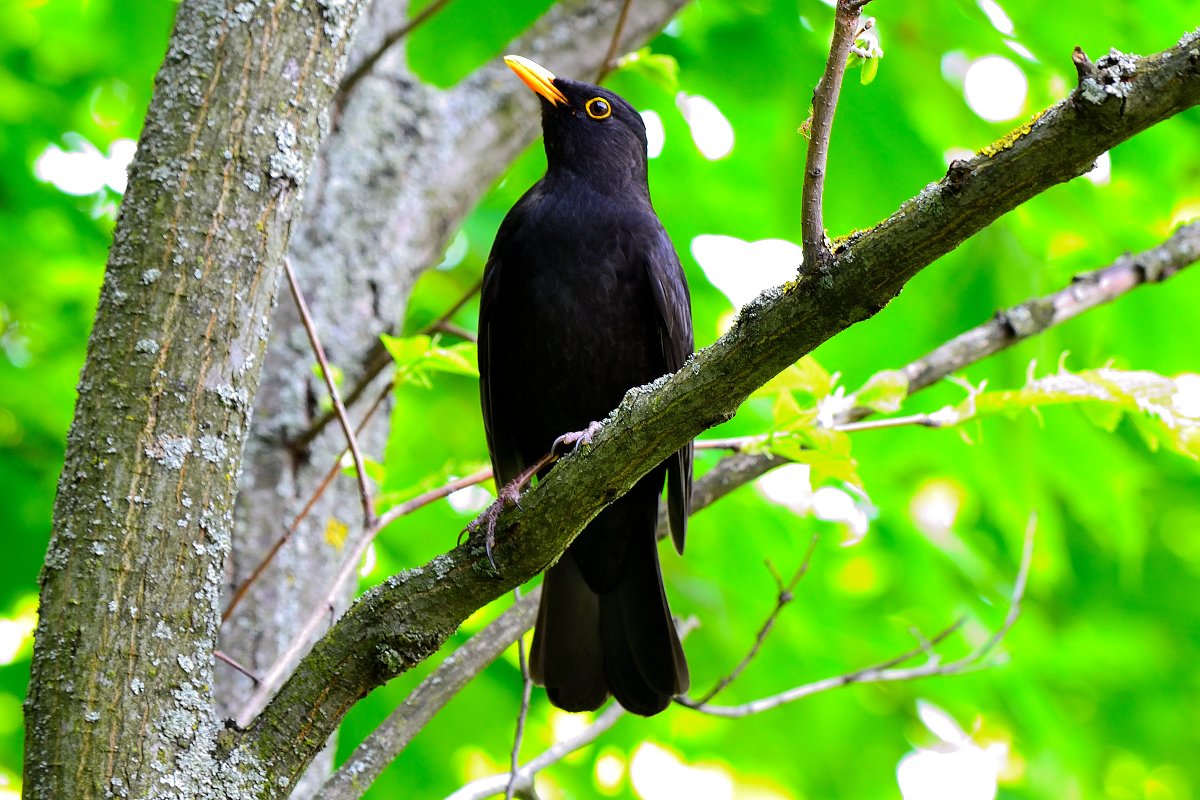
{"x":883,"y":392}
{"x":786,"y":413}
{"x":826,"y":451}
{"x":870,"y":69}
{"x":806,"y":379}
{"x":1165,"y":411}
{"x":418,"y":356}
{"x":457,"y":359}
{"x":407,"y":350}
{"x":657,"y":67}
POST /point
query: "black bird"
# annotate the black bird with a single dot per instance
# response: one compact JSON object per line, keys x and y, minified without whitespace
{"x":583,"y":298}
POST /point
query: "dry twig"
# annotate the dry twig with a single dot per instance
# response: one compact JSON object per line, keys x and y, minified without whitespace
{"x":364,"y":490}
{"x":890,"y":671}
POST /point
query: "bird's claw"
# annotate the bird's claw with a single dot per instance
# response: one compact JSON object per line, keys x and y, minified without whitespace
{"x":486,"y":522}
{"x":507,"y":496}
{"x":575,"y":439}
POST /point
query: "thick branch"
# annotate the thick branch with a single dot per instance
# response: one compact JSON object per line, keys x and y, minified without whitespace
{"x":360,"y":472}
{"x":377,"y":751}
{"x":1007,"y":328}
{"x":401,"y":622}
{"x":1030,"y":318}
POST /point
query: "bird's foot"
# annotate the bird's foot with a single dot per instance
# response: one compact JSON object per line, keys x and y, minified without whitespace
{"x":486,"y":522}
{"x":508,"y":495}
{"x":569,"y":442}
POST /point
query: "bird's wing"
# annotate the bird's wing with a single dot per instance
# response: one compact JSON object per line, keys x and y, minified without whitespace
{"x":675,"y":329}
{"x":498,"y":424}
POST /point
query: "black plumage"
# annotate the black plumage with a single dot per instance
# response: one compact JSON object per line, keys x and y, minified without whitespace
{"x":583,"y":298}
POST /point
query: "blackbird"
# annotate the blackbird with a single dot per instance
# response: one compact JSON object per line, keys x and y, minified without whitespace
{"x":583,"y":298}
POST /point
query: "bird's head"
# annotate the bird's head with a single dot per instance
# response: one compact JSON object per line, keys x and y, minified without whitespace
{"x":588,"y":130}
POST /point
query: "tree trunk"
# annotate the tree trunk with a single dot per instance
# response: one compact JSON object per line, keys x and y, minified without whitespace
{"x":120,"y":696}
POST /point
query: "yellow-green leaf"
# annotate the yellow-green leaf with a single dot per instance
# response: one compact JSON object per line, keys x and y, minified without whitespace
{"x":883,"y":392}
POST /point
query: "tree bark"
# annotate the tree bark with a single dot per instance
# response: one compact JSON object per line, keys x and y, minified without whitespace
{"x":120,"y":699}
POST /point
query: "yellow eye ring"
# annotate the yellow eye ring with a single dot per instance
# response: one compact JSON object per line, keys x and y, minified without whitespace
{"x":598,"y":108}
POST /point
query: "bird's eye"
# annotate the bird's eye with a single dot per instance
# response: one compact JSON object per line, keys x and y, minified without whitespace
{"x":598,"y":108}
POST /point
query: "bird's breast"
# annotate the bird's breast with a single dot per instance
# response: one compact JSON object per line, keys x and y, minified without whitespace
{"x":576,"y":321}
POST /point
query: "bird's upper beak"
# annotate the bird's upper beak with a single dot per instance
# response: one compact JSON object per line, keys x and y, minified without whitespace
{"x":536,"y":77}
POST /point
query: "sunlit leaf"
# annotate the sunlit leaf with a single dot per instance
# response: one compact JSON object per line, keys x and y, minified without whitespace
{"x":418,"y":356}
{"x":870,"y":68}
{"x":883,"y":392}
{"x":658,"y":67}
{"x":1162,"y":408}
{"x":806,"y":379}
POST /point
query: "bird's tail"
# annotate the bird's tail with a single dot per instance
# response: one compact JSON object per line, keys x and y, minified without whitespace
{"x":643,"y":658}
{"x":623,"y":642}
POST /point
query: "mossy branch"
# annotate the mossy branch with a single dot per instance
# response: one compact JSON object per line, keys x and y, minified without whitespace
{"x":403,"y":621}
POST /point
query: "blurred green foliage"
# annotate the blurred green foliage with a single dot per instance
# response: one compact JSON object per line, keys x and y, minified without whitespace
{"x":1097,"y":690}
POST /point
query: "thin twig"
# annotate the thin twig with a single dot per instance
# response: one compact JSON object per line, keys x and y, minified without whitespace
{"x":221,"y":655}
{"x":245,"y":585}
{"x":737,"y":444}
{"x":1018,"y":593}
{"x":364,"y":490}
{"x":526,"y":692}
{"x":919,"y":420}
{"x":523,"y":779}
{"x":825,"y":99}
{"x":741,"y":444}
{"x":420,"y":501}
{"x":890,"y":671}
{"x":454,"y":330}
{"x":783,"y":597}
{"x":606,"y":66}
{"x":378,"y":359}
{"x":358,"y":73}
{"x":925,"y":646}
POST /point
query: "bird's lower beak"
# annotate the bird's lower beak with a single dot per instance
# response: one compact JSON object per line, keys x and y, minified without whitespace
{"x":536,"y":77}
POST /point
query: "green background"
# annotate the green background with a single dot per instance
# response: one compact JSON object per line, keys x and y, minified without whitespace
{"x":1096,"y":692}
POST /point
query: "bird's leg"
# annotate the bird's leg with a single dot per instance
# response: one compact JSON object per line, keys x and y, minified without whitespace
{"x":575,"y":439}
{"x":507,"y":496}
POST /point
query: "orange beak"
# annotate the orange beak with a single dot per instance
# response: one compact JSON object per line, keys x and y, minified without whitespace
{"x":536,"y":77}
